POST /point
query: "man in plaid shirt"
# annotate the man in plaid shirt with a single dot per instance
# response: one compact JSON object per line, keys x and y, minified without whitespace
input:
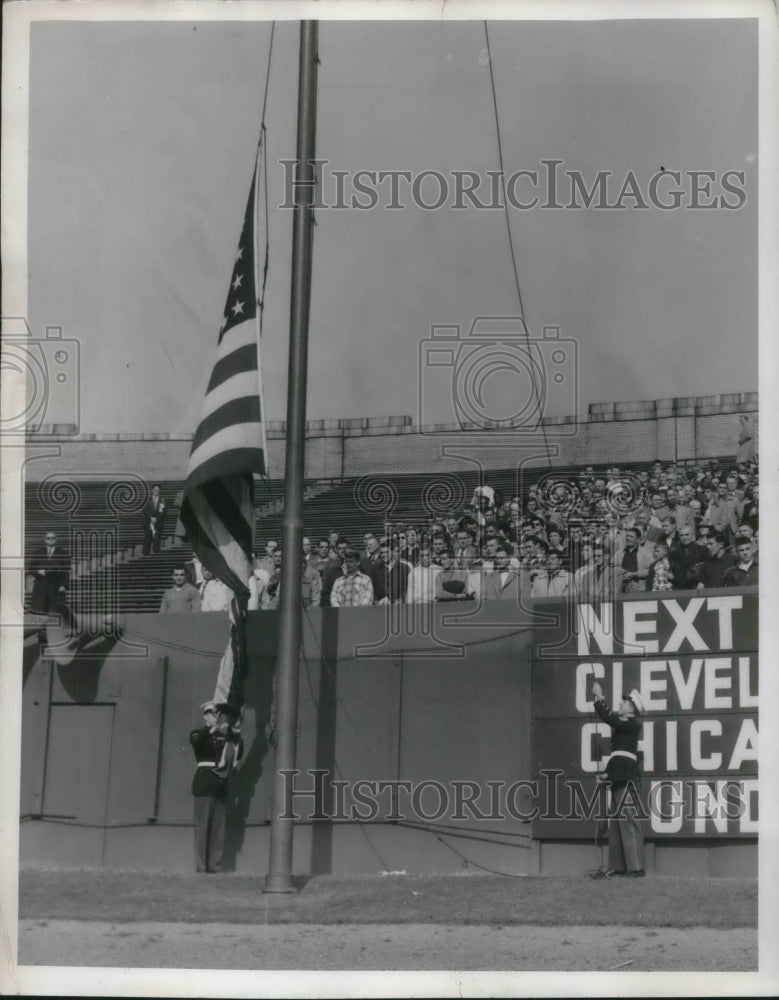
{"x":353,"y":589}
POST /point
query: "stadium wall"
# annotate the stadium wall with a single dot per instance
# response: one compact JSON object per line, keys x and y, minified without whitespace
{"x":418,"y":694}
{"x":668,"y":429}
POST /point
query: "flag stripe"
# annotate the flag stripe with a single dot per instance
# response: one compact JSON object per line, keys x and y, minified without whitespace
{"x":222,"y":464}
{"x":244,"y":359}
{"x":233,"y":515}
{"x":233,"y":441}
{"x":241,"y":411}
{"x":235,"y":337}
{"x":238,"y":386}
{"x":208,"y":533}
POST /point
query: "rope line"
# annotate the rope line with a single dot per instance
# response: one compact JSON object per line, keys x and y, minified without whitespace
{"x":512,"y":251}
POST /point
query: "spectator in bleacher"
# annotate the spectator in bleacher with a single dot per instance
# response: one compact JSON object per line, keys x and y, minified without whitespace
{"x":660,"y":576}
{"x":269,"y":598}
{"x":483,"y":498}
{"x":450,"y":583}
{"x":705,"y":532}
{"x":438,"y":545}
{"x":602,"y":581}
{"x":686,"y":559}
{"x":681,"y":509}
{"x":554,"y":581}
{"x":308,"y":554}
{"x":721,"y":513}
{"x":657,"y":511}
{"x":194,"y":569}
{"x":214,"y":595}
{"x":322,"y":556}
{"x":395,"y":582}
{"x":745,"y":533}
{"x":409,"y":550}
{"x":574,"y":546}
{"x":537,"y":548}
{"x":421,"y":579}
{"x":352,"y":588}
{"x":333,"y":537}
{"x":50,"y":569}
{"x":696,"y":510}
{"x":502,"y":582}
{"x":372,"y":565}
{"x":613,"y":536}
{"x":670,"y":534}
{"x":464,"y":549}
{"x":584,"y":503}
{"x":267,"y":561}
{"x":746,"y":440}
{"x":152,"y":517}
{"x":750,"y":515}
{"x":333,"y":569}
{"x":634,"y":559}
{"x":585,"y":565}
{"x":746,"y":571}
{"x":451,"y":524}
{"x":556,"y":540}
{"x":310,"y":585}
{"x":258,"y":581}
{"x":182,"y":596}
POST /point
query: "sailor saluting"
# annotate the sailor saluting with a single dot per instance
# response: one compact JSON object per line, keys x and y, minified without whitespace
{"x":626,"y":841}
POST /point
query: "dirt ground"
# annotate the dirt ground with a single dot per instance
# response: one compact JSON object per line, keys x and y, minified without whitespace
{"x":386,"y":946}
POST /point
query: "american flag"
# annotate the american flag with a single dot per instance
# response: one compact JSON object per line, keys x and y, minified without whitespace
{"x":229,"y":444}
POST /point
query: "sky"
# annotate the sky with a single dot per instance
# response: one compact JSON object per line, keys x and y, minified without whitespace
{"x":142,"y":139}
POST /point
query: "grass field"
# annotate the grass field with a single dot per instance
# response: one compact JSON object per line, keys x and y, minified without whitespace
{"x":453,"y":900}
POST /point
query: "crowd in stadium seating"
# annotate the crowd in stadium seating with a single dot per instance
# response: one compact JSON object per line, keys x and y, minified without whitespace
{"x":676,"y":527}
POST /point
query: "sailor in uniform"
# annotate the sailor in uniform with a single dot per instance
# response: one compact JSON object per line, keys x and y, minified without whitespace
{"x":218,"y":748}
{"x":626,"y":841}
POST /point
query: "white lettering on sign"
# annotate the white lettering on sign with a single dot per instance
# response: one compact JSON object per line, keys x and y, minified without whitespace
{"x":748,"y":822}
{"x":593,"y":761}
{"x":725,"y":606}
{"x":599,"y":629}
{"x":715,"y":806}
{"x":745,"y":697}
{"x":666,"y":806}
{"x":746,"y":745}
{"x":635,"y":629}
{"x":584,"y":671}
{"x":616,"y":682}
{"x":684,"y":618}
{"x":654,"y":681}
{"x":686,"y":689}
{"x":712,"y":679}
{"x":698,"y":761}
{"x":714,"y":683}
{"x":671,"y":746}
{"x":642,"y":630}
{"x":647,"y":745}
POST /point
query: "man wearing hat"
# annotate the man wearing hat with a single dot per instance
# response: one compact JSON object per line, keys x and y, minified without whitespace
{"x":626,"y":842}
{"x":218,"y":748}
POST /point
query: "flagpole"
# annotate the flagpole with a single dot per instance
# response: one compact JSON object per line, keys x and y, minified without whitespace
{"x":279,"y":877}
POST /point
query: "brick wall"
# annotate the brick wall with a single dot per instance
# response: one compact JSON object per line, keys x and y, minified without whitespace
{"x":695,"y":427}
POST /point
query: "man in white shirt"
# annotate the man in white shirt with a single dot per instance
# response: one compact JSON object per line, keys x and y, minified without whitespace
{"x":214,"y":595}
{"x":554,"y":581}
{"x":421,"y":579}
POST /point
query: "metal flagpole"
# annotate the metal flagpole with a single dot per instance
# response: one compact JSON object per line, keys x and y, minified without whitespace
{"x":279,"y":877}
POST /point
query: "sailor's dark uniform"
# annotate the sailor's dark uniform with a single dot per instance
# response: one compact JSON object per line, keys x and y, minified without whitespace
{"x":626,"y":841}
{"x":216,"y":753}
